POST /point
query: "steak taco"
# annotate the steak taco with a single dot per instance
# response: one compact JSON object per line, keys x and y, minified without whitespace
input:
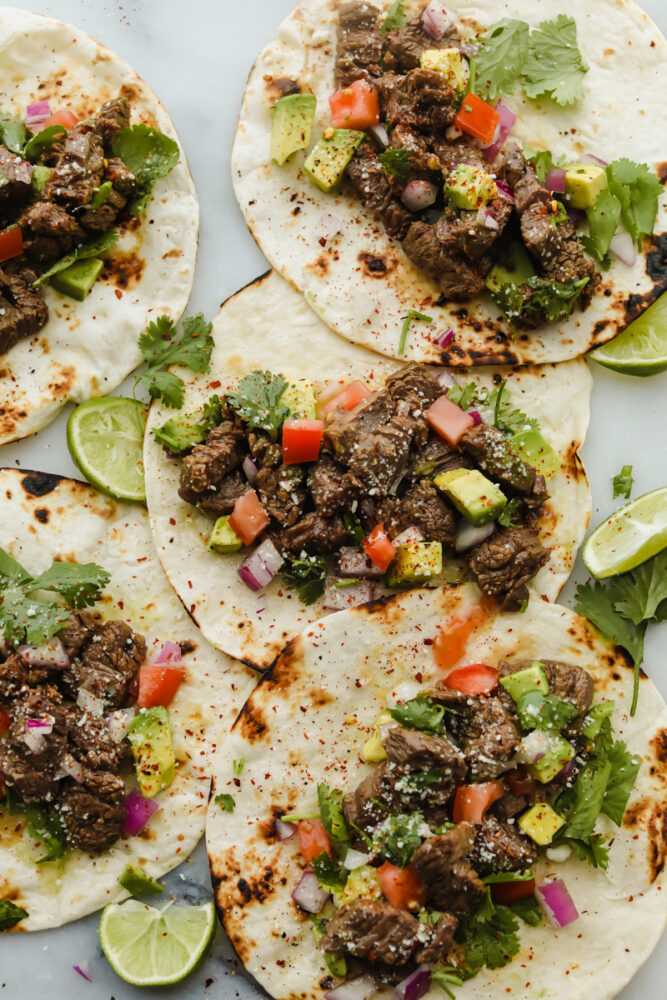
{"x":304,"y":474}
{"x":483,"y":830}
{"x":464,"y":163}
{"x":98,"y":219}
{"x":111,"y":705}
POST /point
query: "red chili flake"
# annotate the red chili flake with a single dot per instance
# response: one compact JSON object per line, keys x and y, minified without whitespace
{"x":215,"y":385}
{"x":428,"y":642}
{"x":142,"y":559}
{"x":118,"y":293}
{"x":172,"y":520}
{"x":322,"y":241}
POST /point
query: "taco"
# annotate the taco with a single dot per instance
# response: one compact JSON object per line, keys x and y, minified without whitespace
{"x":99,"y":219}
{"x":484,"y":831}
{"x":484,"y":171}
{"x":384,"y":498}
{"x":111,"y":704}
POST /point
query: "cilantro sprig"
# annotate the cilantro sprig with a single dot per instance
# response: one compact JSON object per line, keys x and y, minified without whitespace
{"x":554,"y":299}
{"x":489,"y":936}
{"x":555,"y":67}
{"x":503,"y":51}
{"x":631,"y":196}
{"x":395,"y":17}
{"x":225,"y":801}
{"x":495,"y":406}
{"x":412,"y":317}
{"x":396,"y":162}
{"x":623,"y":482}
{"x":306,"y":576}
{"x":161,"y":346}
{"x":149,"y":155}
{"x":257,"y":401}
{"x":420,"y":713}
{"x":331,"y":813}
{"x":399,"y":835}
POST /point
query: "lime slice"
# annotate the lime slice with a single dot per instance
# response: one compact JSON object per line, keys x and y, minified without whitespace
{"x":629,"y":537}
{"x":642,"y":348}
{"x":105,"y":438}
{"x":155,"y":947}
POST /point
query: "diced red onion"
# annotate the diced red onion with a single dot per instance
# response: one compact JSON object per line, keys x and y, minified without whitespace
{"x":505,"y":126}
{"x":261,"y":566}
{"x":556,"y":902}
{"x":445,"y":380}
{"x":555,"y":180}
{"x":309,"y":895}
{"x":415,"y":985}
{"x":34,"y":741}
{"x":73,"y":768}
{"x":380,"y":134}
{"x":41,"y":726}
{"x":591,"y":158}
{"x":361,"y":988}
{"x":468,"y":535}
{"x":328,"y":393}
{"x":505,"y":192}
{"x":485,"y":218}
{"x":285,"y":830}
{"x":89,"y":702}
{"x":566,"y":772}
{"x":444,"y":339}
{"x":407,"y":537}
{"x":169,"y":653}
{"x":139,"y":810}
{"x":476,"y":416}
{"x":470,"y":49}
{"x":355,"y":859}
{"x":532,"y":747}
{"x":436,"y":20}
{"x":352,"y":562}
{"x":418,"y":195}
{"x":118,"y":722}
{"x":452,"y":133}
{"x":37,"y":113}
{"x":341,"y":598}
{"x":250,"y":469}
{"x":49,"y":654}
{"x":84,"y":975}
{"x":623,"y":247}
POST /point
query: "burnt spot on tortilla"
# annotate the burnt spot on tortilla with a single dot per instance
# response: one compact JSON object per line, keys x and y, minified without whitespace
{"x":38,"y":484}
{"x":280,"y":86}
{"x":327,"y":983}
{"x":320,"y":266}
{"x":285,"y":668}
{"x":659,"y":746}
{"x":124,"y":270}
{"x":657,"y":832}
{"x":63,"y":382}
{"x":319,"y":698}
{"x":656,"y":268}
{"x":244,"y":889}
{"x":42,"y":515}
{"x":258,"y":889}
{"x":187,"y":647}
{"x":376,"y":265}
{"x":455,"y":355}
{"x":251,"y":723}
{"x":599,"y":329}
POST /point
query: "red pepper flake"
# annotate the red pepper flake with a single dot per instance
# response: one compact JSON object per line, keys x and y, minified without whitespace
{"x":172,"y":520}
{"x":215,"y":385}
{"x":142,"y":559}
{"x":118,"y":293}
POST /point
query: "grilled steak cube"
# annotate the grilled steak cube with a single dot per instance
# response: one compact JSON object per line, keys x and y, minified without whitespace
{"x":22,"y":310}
{"x":313,"y":534}
{"x":488,"y":446}
{"x":282,"y":493}
{"x":111,"y":118}
{"x":418,"y":751}
{"x":359,"y":51}
{"x":451,"y":884}
{"x":332,"y":488}
{"x":501,"y":847}
{"x":506,"y":562}
{"x":15,"y":178}
{"x":208,"y":463}
{"x":566,"y":681}
{"x":372,"y":929}
{"x":92,"y":823}
{"x":77,"y":171}
{"x":442,"y":939}
{"x":49,"y":231}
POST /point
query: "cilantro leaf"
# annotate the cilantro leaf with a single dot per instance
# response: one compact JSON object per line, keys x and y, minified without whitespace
{"x":511,"y":510}
{"x":500,"y":878}
{"x":489,"y":936}
{"x":529,"y":911}
{"x":544,"y":712}
{"x":225,"y":802}
{"x":331,"y":813}
{"x":637,"y":189}
{"x":543,"y":161}
{"x":412,"y":316}
{"x":353,"y":527}
{"x":622,"y":484}
{"x":399,"y":835}
{"x":86,"y":250}
{"x":624,"y":769}
{"x":552,"y":298}
{"x":396,"y":162}
{"x":148,"y":154}
{"x":637,"y":595}
{"x":603,"y":219}
{"x":79,"y":583}
{"x":47,"y":828}
{"x":39,"y":142}
{"x":10,"y":914}
{"x":25,"y":620}
{"x":161,"y":347}
{"x":257,"y":401}
{"x":331,"y":873}
{"x":555,"y":66}
{"x":582,"y":803}
{"x":11,"y":571}
{"x":445,"y":977}
{"x":13,"y":132}
{"x":503,"y":51}
{"x":420,"y":713}
{"x":596,"y":602}
{"x":495,"y":406}
{"x":593,"y":851}
{"x":395,"y":17}
{"x":306,"y":576}
{"x":238,"y":765}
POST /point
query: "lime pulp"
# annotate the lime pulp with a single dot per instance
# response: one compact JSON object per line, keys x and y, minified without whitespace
{"x":629,"y":537}
{"x":105,"y":438}
{"x":642,"y":348}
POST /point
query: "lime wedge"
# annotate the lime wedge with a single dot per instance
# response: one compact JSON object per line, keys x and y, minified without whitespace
{"x":629,"y":537}
{"x":105,"y":438}
{"x":642,"y":348}
{"x":155,"y":947}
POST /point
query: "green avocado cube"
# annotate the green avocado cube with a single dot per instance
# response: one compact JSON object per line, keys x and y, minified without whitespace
{"x":449,"y":63}
{"x":558,"y":753}
{"x":473,"y":495}
{"x":291,"y":125}
{"x":536,"y":710}
{"x":179,"y":434}
{"x":223,"y":537}
{"x":583,"y":183}
{"x":135,"y":880}
{"x":470,"y":187}
{"x":533,"y":449}
{"x":541,"y":823}
{"x":299,"y":397}
{"x":78,"y":279}
{"x":532,"y":678}
{"x":40,"y":175}
{"x":152,"y":748}
{"x":327,"y":160}
{"x":516,"y":269}
{"x":414,"y":564}
{"x":594,"y":718}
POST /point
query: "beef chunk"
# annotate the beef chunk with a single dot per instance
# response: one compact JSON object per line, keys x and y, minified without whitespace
{"x":510,"y":165}
{"x":367,"y":176}
{"x":16,"y":674}
{"x":553,"y":242}
{"x":420,"y":100}
{"x":451,"y":884}
{"x":414,"y":385}
{"x":344,"y":428}
{"x":363,"y":808}
{"x":506,"y":562}
{"x":435,"y":457}
{"x":107,"y":664}
{"x":93,"y":745}
{"x":82,"y":626}
{"x":404,"y":46}
{"x":16,"y":178}
{"x":92,"y":823}
{"x":422,"y":507}
{"x":282,"y":493}
{"x":501,"y":847}
{"x":491,"y":738}
{"x":49,"y":232}
{"x":207,"y":464}
{"x":111,"y":118}
{"x":509,"y":805}
{"x":220,"y":500}
{"x":359,"y":51}
{"x":477,"y":239}
{"x":442,"y":939}
{"x":417,"y":751}
{"x":22,"y":310}
{"x":266,"y":452}
{"x":33,"y":782}
{"x":123,"y":185}
{"x":439,"y":255}
{"x":331,"y":487}
{"x":528,"y":190}
{"x":566,"y":681}
{"x":313,"y":534}
{"x":372,"y":929}
{"x":464,"y":150}
{"x":77,"y":171}
{"x":488,"y":446}
{"x":35,"y":775}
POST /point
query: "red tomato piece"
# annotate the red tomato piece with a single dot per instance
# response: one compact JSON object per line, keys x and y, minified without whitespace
{"x":11,"y":243}
{"x":478,"y":119}
{"x":476,"y":678}
{"x":64,"y":118}
{"x":357,"y":106}
{"x":520,"y":781}
{"x":511,"y":892}
{"x":448,"y":420}
{"x":379,"y":548}
{"x":450,"y":643}
{"x":401,"y":886}
{"x":472,"y":801}
{"x":158,"y":683}
{"x":302,"y":440}
{"x":5,"y":720}
{"x":313,"y":838}
{"x":248,"y":519}
{"x":349,"y":397}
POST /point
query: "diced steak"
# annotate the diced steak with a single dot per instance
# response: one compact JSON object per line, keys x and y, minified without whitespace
{"x":359,"y":50}
{"x":404,"y":46}
{"x":420,"y":100}
{"x":313,"y":534}
{"x":414,"y":385}
{"x":501,"y":847}
{"x":111,"y":118}
{"x":208,"y":463}
{"x":372,"y":929}
{"x":282,"y":493}
{"x":451,"y":883}
{"x":491,"y":738}
{"x":82,"y":626}
{"x":566,"y":681}
{"x":15,"y":178}
{"x":439,"y":255}
{"x":16,"y":675}
{"x":435,"y":457}
{"x":123,"y":185}
{"x":418,"y":751}
{"x":92,"y":824}
{"x":49,"y":231}
{"x":22,"y":310}
{"x":367,"y":176}
{"x":266,"y":452}
{"x":505,"y":562}
{"x":331,"y":486}
{"x":488,"y":446}
{"x":77,"y":171}
{"x":436,"y":950}
{"x":421,"y":507}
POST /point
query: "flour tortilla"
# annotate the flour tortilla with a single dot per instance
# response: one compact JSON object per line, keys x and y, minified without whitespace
{"x":306,"y":723}
{"x":87,"y":348}
{"x":267,"y":325}
{"x":623,"y":114}
{"x":45,"y":517}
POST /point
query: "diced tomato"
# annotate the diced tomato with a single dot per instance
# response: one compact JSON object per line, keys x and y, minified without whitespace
{"x":401,"y":886}
{"x":477,"y":118}
{"x":5,"y":720}
{"x":302,"y":440}
{"x":450,"y":643}
{"x":521,"y":782}
{"x":349,"y":397}
{"x":357,"y":106}
{"x":475,"y":678}
{"x":511,"y":892}
{"x":448,"y":420}
{"x":313,"y":838}
{"x":248,"y":519}
{"x":158,"y":683}
{"x":11,"y":243}
{"x":378,"y":547}
{"x":64,"y":118}
{"x":472,"y":801}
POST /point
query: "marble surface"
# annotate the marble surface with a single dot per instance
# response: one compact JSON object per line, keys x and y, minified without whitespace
{"x":196,"y":56}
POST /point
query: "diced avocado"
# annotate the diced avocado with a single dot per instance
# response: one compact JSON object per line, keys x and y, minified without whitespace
{"x":362,"y":883}
{"x":336,"y":963}
{"x":470,"y":187}
{"x":544,"y":712}
{"x":533,"y":449}
{"x":223,"y":537}
{"x":594,"y":718}
{"x":449,"y":63}
{"x":475,"y":496}
{"x":149,"y":734}
{"x":138,"y":883}
{"x":541,"y":823}
{"x":179,"y":434}
{"x":533,"y":678}
{"x":516,"y":268}
{"x":291,"y":125}
{"x":326,"y":162}
{"x":415,"y":563}
{"x":558,"y":753}
{"x":40,"y":175}
{"x":373,"y":751}
{"x":583,"y":183}
{"x":77,"y":279}
{"x":300,"y":398}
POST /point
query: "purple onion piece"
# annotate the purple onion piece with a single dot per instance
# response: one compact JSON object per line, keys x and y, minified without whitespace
{"x":139,"y":810}
{"x":470,"y":49}
{"x":555,"y":180}
{"x":445,"y":380}
{"x":418,"y":195}
{"x":170,"y":652}
{"x":468,"y":535}
{"x":339,"y":598}
{"x":261,"y":566}
{"x":505,"y":192}
{"x":79,"y":971}
{"x":436,"y":20}
{"x":353,"y":562}
{"x":361,"y":988}
{"x":592,"y":158}
{"x":415,"y":986}
{"x":575,"y":215}
{"x":285,"y":830}
{"x":49,"y":654}
{"x":250,"y":469}
{"x":309,"y":895}
{"x":476,"y":416}
{"x":556,"y":902}
{"x":505,"y":126}
{"x":445,"y":338}
{"x":407,"y":537}
{"x":380,"y":134}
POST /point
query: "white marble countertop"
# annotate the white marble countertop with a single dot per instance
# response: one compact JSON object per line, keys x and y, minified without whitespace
{"x":196,"y":56}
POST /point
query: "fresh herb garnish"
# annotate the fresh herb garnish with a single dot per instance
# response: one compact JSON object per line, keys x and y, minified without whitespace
{"x":225,"y":802}
{"x":101,"y":195}
{"x":542,"y":160}
{"x":581,"y":804}
{"x":553,"y":298}
{"x":624,"y":770}
{"x":503,"y":50}
{"x":331,"y":873}
{"x":161,"y":347}
{"x":412,"y":317}
{"x":593,"y":851}
{"x":331,"y":813}
{"x":421,"y":780}
{"x":445,"y":977}
{"x":47,"y":828}
{"x":603,"y":219}
{"x":395,"y":17}
{"x":500,"y":878}
{"x":238,"y":766}
{"x":39,"y":142}
{"x":13,"y":132}
{"x":529,"y":911}
{"x":637,"y":189}
{"x":83,"y":252}
{"x":10,"y":914}
{"x":510,"y":511}
{"x":148,"y":154}
{"x":353,"y":527}
{"x":306,"y":576}
{"x":489,"y":936}
{"x":623,"y":483}
{"x":544,"y":712}
{"x":555,"y":67}
{"x":257,"y":401}
{"x":396,"y":162}
{"x":494,"y":405}
{"x":399,"y":835}
{"x":420,"y":713}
